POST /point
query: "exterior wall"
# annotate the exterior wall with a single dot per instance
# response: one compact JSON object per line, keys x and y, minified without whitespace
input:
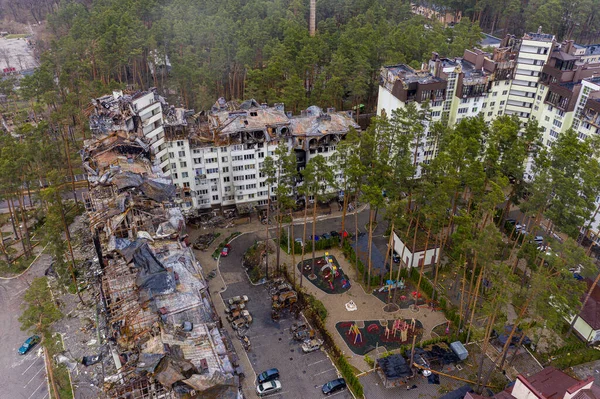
{"x":520,"y":391}
{"x":429,"y":257}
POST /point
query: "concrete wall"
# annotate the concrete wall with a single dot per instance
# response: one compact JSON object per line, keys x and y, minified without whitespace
{"x":429,"y":257}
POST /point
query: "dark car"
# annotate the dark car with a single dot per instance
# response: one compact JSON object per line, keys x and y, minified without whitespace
{"x":326,"y":236}
{"x":334,"y":386}
{"x":28,"y":344}
{"x":334,"y":233}
{"x":269,"y":375}
{"x":226,"y":250}
{"x":396,"y":257}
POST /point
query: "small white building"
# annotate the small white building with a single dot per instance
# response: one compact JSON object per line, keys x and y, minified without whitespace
{"x":421,"y":257}
{"x":587,"y":325}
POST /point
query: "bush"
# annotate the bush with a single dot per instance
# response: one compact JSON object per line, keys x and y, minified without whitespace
{"x":369,"y":361}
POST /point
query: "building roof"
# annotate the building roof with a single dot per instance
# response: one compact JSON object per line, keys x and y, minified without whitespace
{"x":409,"y":75}
{"x":551,"y":383}
{"x":538,"y":36}
{"x":489,"y":40}
{"x":461,"y":393}
{"x":315,"y":122}
{"x":394,"y":367}
{"x":591,"y":310}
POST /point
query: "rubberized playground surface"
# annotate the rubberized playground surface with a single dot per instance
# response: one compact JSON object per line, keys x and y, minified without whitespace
{"x":404,"y":298}
{"x":331,"y":279}
{"x":372,"y":334}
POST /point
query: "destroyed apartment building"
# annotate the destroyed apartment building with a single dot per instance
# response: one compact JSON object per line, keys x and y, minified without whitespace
{"x":214,"y":157}
{"x":161,"y":327}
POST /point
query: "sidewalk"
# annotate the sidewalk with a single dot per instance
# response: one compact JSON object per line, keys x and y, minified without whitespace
{"x":369,"y":307}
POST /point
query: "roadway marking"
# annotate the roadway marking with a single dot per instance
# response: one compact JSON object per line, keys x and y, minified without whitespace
{"x":34,"y":362}
{"x":34,"y":376}
{"x":317,"y":362}
{"x":33,"y":393}
{"x":323,"y":372}
{"x":342,"y":391}
{"x":45,"y":396}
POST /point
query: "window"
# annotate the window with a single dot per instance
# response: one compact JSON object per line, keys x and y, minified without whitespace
{"x":210,"y":160}
{"x":183,"y":164}
{"x":490,"y":113}
{"x":175,"y":176}
{"x":557,"y":123}
{"x":171,"y":155}
{"x":249,"y":156}
{"x":497,"y":83}
{"x":550,"y":108}
{"x":226,"y":179}
{"x":560,"y":113}
{"x":250,"y":186}
{"x":227,"y":189}
{"x":238,"y":168}
{"x":506,"y":83}
{"x":474,"y":110}
{"x":181,"y":154}
{"x":202,"y":192}
{"x":238,"y":178}
{"x":492,"y":103}
{"x":463,"y":110}
{"x":184,"y":174}
{"x":436,"y":113}
{"x":196,"y":151}
{"x":223,"y":149}
{"x":248,"y":167}
{"x":505,"y":92}
{"x":248,"y":177}
{"x":225,"y":169}
{"x":484,"y":105}
{"x":197,"y":161}
{"x":261,"y":154}
{"x":464,"y":101}
{"x":262,"y":184}
{"x":554,"y":133}
{"x":494,"y":94}
{"x":499,"y":112}
{"x":186,"y":184}
{"x":237,"y":158}
{"x":547,"y":118}
{"x":240,"y":197}
{"x":224,"y":159}
{"x":250,"y":195}
{"x":180,"y":144}
{"x":501,"y":102}
{"x":213,"y":170}
{"x":215,"y":197}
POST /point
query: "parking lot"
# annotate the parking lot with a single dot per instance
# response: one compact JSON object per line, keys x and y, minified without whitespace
{"x":23,"y":376}
{"x":301,"y":375}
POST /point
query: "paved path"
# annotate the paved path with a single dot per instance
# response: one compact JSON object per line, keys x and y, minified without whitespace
{"x":23,"y":377}
{"x":369,"y":307}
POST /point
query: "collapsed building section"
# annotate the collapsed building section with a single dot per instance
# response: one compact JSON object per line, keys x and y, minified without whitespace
{"x":162,"y":329}
{"x":214,"y":157}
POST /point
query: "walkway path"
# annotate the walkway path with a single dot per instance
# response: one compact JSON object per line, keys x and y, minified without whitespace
{"x":369,"y":307}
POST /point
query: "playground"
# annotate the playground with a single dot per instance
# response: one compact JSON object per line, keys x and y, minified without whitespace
{"x":402,"y":293}
{"x":328,"y":275}
{"x":364,"y":336}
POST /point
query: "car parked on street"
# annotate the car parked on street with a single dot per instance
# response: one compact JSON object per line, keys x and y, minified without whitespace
{"x":311,"y":345}
{"x":334,"y":386}
{"x":268,"y":388}
{"x":226,"y":250}
{"x":28,"y":344}
{"x":268,"y":375}
{"x":334,"y":233}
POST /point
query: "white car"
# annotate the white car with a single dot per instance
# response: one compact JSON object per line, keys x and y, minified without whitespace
{"x":311,"y":345}
{"x":238,"y":299}
{"x":267,"y":388}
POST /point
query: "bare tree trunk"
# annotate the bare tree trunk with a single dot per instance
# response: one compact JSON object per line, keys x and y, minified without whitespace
{"x":345,"y":205}
{"x":437,"y":266}
{"x":486,"y":341}
{"x":388,"y":252}
{"x":303,"y":241}
{"x":293,"y":245}
{"x":267,"y":234}
{"x":474,"y":305}
{"x":399,"y":268}
{"x":314,"y":232}
{"x":369,"y":261}
{"x":68,"y":237}
{"x":422,"y":267}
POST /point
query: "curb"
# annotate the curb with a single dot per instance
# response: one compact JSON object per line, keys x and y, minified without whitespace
{"x":28,"y":267}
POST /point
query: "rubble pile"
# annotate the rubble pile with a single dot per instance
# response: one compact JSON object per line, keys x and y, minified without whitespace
{"x":160,"y":326}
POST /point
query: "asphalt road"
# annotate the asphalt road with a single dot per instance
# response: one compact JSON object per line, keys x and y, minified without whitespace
{"x":23,"y":377}
{"x":301,"y":375}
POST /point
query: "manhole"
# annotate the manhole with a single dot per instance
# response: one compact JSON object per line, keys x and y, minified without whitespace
{"x":280,"y":339}
{"x":291,"y":358}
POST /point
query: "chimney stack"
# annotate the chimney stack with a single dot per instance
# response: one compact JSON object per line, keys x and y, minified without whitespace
{"x":313,"y":18}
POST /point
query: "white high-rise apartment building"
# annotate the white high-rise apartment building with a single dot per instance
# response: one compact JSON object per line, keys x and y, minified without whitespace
{"x":534,"y":78}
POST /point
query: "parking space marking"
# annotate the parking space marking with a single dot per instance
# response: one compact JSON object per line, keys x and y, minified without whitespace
{"x":43,"y":368}
{"x":312,"y":364}
{"x":33,"y":393}
{"x":323,"y":372}
{"x":34,"y":362}
{"x":45,"y":396}
{"x":337,"y":393}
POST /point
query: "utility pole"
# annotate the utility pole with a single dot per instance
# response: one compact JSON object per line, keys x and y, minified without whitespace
{"x":313,"y":18}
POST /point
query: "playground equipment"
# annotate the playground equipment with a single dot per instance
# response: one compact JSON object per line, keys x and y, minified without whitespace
{"x":391,"y":284}
{"x":354,"y":330}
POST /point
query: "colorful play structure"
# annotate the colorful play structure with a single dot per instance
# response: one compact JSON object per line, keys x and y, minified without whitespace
{"x":354,"y":330}
{"x":391,"y":284}
{"x":402,"y":327}
{"x":330,"y":272}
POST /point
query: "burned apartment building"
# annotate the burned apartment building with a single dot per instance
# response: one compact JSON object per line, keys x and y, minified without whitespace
{"x":161,"y":329}
{"x":215,"y":157}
